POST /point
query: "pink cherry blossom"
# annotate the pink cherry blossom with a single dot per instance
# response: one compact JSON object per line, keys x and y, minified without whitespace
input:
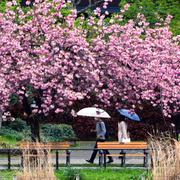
{"x":120,"y":64}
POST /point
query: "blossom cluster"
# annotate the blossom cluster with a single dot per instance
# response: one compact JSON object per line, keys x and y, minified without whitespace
{"x":128,"y":63}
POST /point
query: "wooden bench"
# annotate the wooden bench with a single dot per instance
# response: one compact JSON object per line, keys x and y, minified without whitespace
{"x":125,"y":151}
{"x":48,"y":146}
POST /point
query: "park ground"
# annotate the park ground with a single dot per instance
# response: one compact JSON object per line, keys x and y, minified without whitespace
{"x":89,"y":174}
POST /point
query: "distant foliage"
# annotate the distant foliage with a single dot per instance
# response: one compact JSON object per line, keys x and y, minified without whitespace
{"x":17,"y":125}
{"x":19,"y":131}
{"x":57,"y":132}
{"x":2,"y":5}
{"x":154,"y":11}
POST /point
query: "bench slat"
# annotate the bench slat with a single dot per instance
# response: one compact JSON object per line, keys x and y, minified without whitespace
{"x":49,"y":145}
{"x":115,"y":142}
{"x":122,"y":147}
{"x":130,"y":155}
{"x":117,"y":145}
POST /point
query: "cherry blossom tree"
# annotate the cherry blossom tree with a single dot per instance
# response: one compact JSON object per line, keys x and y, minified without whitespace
{"x":137,"y":63}
{"x":45,"y":64}
{"x":48,"y":62}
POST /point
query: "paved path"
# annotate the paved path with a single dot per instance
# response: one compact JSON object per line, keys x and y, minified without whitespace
{"x":77,"y":157}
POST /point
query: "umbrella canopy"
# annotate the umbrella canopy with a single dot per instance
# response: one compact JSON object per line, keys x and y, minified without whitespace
{"x":93,"y":112}
{"x":129,"y":114}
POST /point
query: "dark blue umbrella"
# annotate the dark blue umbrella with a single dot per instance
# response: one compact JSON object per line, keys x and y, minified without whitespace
{"x":129,"y":114}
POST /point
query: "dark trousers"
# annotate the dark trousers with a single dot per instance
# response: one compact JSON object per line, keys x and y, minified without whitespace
{"x":93,"y":156}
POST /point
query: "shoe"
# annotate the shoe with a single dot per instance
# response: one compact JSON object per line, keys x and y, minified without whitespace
{"x":110,"y":161}
{"x":89,"y":161}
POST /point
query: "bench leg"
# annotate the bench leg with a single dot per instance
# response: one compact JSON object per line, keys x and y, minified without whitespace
{"x":124,"y":160}
{"x":57,"y":160}
{"x":104,"y":160}
{"x":22,"y":161}
{"x":121,"y":160}
{"x":145,"y":160}
{"x":67,"y":157}
{"x":9,"y":159}
{"x":100,"y":158}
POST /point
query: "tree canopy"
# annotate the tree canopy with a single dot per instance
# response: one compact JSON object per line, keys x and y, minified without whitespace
{"x":47,"y":62}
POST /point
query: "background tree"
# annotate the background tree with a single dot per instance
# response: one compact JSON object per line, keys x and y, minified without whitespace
{"x":45,"y":61}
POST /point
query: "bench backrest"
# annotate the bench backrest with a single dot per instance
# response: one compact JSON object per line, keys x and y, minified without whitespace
{"x":117,"y":145}
{"x":49,"y":145}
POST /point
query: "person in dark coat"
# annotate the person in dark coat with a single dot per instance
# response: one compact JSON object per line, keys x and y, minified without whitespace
{"x":100,"y":134}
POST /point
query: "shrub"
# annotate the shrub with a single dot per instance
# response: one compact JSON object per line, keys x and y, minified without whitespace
{"x":57,"y":132}
{"x":10,"y":133}
{"x":19,"y":130}
{"x":17,"y":125}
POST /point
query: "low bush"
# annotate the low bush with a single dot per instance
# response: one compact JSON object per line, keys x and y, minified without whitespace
{"x":57,"y":132}
{"x":17,"y":130}
{"x":20,"y":131}
{"x":10,"y":133}
{"x":17,"y":125}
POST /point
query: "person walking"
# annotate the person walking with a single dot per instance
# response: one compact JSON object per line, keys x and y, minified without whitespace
{"x":101,"y":137}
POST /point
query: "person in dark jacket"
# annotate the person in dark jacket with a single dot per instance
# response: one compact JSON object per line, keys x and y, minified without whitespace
{"x":100,"y":134}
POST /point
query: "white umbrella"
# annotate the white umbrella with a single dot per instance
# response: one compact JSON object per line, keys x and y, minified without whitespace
{"x":93,"y":112}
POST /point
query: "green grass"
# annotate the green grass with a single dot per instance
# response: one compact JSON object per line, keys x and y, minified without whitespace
{"x":102,"y":174}
{"x":108,"y":165}
{"x":6,"y":141}
{"x":95,"y":174}
{"x":7,"y":174}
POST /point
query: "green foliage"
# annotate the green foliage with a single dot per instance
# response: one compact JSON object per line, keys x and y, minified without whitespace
{"x":7,"y":142}
{"x":111,"y":174}
{"x":2,"y":5}
{"x":17,"y":125}
{"x":7,"y":174}
{"x":56,"y":132}
{"x":70,"y":173}
{"x":154,"y":10}
{"x":65,"y":11}
{"x":18,"y":130}
{"x":99,"y":174}
{"x":10,"y":133}
{"x":13,"y":99}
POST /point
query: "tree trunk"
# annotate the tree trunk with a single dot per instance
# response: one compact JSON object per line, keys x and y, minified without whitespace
{"x":0,"y":118}
{"x":35,"y":129}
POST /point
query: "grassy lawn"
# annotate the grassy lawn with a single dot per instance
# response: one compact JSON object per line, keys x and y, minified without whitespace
{"x":7,"y":175}
{"x":101,"y":174}
{"x":94,"y":174}
{"x":9,"y":141}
